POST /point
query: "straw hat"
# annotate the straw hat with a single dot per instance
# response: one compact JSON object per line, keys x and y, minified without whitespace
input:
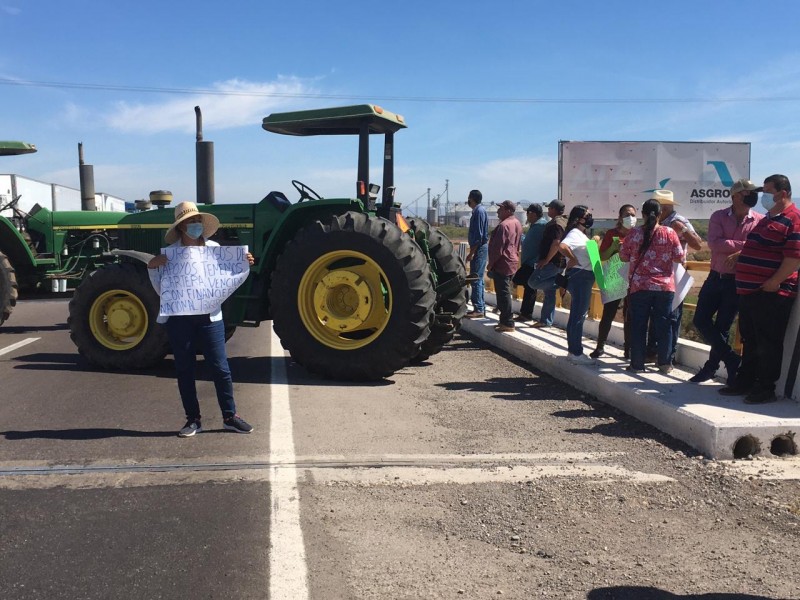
{"x":664,"y":198}
{"x":185,"y":210}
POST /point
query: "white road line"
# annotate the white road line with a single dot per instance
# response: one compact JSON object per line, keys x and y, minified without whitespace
{"x":287,"y":555}
{"x":13,"y":347}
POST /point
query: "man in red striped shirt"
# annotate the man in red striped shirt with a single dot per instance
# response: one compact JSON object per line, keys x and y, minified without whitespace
{"x":766,"y":281}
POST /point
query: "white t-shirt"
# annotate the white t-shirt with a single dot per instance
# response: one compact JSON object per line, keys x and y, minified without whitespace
{"x":576,"y":241}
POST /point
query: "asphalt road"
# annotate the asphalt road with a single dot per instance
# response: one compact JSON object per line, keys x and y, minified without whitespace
{"x":472,"y":476}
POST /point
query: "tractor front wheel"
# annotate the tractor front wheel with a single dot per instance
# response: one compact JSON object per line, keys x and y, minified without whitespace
{"x":8,"y":288}
{"x":352,"y":298}
{"x":112,"y":319}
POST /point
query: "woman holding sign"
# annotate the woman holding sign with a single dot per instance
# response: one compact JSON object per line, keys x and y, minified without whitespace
{"x":608,"y":248}
{"x":186,"y":332}
{"x":581,"y":279}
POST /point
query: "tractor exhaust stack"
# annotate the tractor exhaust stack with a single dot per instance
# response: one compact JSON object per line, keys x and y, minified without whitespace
{"x":86,"y":173}
{"x":204,"y":164}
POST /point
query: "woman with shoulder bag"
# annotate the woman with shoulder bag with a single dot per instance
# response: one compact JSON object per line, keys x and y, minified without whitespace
{"x":580,"y":279}
{"x":651,"y":250}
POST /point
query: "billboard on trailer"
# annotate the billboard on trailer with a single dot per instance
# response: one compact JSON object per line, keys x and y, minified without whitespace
{"x":606,"y":175}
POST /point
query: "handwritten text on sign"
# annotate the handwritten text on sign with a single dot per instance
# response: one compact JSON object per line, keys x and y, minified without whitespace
{"x":197,"y":279}
{"x":616,"y":278}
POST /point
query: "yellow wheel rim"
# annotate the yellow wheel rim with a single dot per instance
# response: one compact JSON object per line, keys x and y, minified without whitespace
{"x":118,"y":320}
{"x":344,"y":300}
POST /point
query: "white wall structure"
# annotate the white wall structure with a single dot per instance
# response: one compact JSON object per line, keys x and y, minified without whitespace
{"x":606,"y":175}
{"x":49,"y":195}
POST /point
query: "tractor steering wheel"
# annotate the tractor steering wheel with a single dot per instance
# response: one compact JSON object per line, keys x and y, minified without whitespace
{"x":306,"y":193}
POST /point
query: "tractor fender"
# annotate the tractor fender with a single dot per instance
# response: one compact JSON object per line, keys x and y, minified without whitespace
{"x":144,"y":257}
{"x":14,"y":246}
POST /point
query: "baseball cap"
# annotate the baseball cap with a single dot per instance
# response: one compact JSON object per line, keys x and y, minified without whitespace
{"x":508,"y":205}
{"x":743,"y":185}
{"x":557,"y":204}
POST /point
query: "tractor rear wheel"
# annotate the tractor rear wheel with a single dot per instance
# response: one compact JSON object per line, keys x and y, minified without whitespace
{"x":8,"y":288}
{"x":112,"y":319}
{"x":352,"y":298}
{"x":451,"y":302}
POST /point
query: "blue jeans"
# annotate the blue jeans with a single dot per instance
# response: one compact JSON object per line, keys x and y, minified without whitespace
{"x":545,"y":279}
{"x":643,"y":307}
{"x":717,"y":297}
{"x":675,"y":318}
{"x":477,"y":266}
{"x":580,"y":291}
{"x":186,"y":333}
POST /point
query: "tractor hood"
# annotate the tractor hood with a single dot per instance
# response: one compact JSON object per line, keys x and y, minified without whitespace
{"x":83,"y":219}
{"x":343,"y":120}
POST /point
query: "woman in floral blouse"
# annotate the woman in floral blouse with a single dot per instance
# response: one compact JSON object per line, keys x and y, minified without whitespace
{"x":651,"y":250}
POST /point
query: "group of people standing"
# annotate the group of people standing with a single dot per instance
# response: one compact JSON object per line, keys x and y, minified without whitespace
{"x":754,"y":262}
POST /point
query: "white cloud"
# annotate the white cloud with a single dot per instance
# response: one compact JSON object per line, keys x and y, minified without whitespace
{"x":243,"y":103}
{"x":10,"y":10}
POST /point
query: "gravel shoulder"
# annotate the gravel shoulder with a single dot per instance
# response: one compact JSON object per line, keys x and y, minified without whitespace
{"x":710,"y":530}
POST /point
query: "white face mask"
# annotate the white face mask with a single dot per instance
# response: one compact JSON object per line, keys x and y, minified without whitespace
{"x":629,"y":222}
{"x":767,"y":200}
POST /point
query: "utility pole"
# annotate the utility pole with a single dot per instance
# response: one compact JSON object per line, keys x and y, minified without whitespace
{"x":446,"y":199}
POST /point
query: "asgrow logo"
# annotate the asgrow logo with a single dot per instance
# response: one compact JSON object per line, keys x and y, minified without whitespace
{"x":723,"y":173}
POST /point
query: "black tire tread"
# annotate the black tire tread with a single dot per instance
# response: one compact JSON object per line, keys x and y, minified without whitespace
{"x":412,"y":288}
{"x":9,"y":289}
{"x":449,"y":265}
{"x":133,"y":278}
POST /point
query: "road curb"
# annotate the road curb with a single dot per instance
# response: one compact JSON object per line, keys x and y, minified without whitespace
{"x":717,"y":426}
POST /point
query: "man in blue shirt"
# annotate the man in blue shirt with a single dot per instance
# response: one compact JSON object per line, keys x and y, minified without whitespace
{"x":528,"y":260}
{"x":478,"y":240}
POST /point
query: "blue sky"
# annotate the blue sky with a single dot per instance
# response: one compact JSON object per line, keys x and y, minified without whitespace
{"x":552,"y":70}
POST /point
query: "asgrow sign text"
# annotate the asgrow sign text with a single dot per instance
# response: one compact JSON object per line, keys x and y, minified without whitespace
{"x":606,"y":175}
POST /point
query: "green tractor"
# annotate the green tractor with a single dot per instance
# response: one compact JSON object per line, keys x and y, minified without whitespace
{"x":9,"y":288}
{"x":354,"y":290}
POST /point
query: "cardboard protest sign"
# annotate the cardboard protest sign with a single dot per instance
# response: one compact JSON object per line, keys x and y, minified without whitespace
{"x":683,"y":283}
{"x":196,"y":280}
{"x":597,"y":266}
{"x":615,"y":273}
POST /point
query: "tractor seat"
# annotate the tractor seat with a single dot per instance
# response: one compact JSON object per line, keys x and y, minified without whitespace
{"x":278,"y":200}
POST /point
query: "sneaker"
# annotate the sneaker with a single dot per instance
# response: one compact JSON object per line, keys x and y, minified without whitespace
{"x":762,"y":396}
{"x":523,"y":318}
{"x":474,"y":314}
{"x":633,"y":369}
{"x":504,"y":328}
{"x":237,"y":424}
{"x":192,"y":427}
{"x":581,"y":359}
{"x":541,"y":325}
{"x":665,"y":369}
{"x":702,"y":375}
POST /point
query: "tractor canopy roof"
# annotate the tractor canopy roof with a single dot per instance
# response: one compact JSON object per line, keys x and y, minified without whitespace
{"x":12,"y":148}
{"x":342,"y":120}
